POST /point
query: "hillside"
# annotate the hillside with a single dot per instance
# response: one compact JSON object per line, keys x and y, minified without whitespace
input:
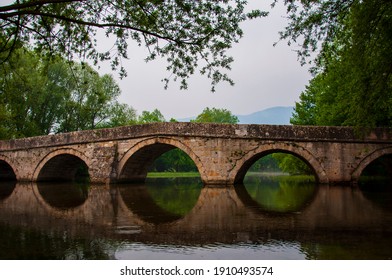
{"x":274,"y":115}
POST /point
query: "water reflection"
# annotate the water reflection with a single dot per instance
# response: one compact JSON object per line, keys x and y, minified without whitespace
{"x":6,"y":189}
{"x":63,"y":195}
{"x":175,"y":195}
{"x":27,"y":243}
{"x":242,"y":251}
{"x":275,"y":194}
{"x":162,"y":200}
{"x":378,"y":193}
{"x":177,"y":219}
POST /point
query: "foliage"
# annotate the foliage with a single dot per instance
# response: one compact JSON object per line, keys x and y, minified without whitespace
{"x":177,"y":196}
{"x":29,"y":99}
{"x":265,"y":164}
{"x":190,"y":35}
{"x":92,"y":100}
{"x":281,"y":162}
{"x":39,"y":96}
{"x":280,"y":194}
{"x":120,"y":115}
{"x":174,"y":160}
{"x":306,"y":111}
{"x":216,"y":116}
{"x":292,"y":164}
{"x":353,"y":75}
{"x":172,"y":175}
{"x":151,"y":117}
{"x":313,"y":24}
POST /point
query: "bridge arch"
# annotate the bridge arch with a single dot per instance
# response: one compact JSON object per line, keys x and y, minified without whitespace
{"x":368,"y":160}
{"x":7,"y":172}
{"x":243,"y":165}
{"x":60,"y":165}
{"x":133,"y":166}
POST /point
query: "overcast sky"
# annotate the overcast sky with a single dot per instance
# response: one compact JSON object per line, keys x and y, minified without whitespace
{"x":264,"y":76}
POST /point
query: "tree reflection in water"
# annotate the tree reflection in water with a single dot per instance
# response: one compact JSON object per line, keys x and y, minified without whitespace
{"x":280,"y":194}
{"x":176,"y":219}
{"x":162,"y":200}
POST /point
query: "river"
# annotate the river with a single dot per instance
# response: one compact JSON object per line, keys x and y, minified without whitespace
{"x":179,"y":218}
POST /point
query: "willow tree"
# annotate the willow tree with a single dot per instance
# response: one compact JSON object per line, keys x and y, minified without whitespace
{"x":190,"y":35}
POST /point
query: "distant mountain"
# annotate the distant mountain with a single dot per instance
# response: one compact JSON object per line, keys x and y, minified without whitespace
{"x":274,"y":115}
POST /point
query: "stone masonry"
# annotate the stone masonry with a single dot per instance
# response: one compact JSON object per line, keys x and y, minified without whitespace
{"x":222,"y":153}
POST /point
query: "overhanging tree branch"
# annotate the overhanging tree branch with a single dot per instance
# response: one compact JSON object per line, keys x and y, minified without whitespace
{"x":179,"y":31}
{"x":101,"y":25}
{"x":37,"y":3}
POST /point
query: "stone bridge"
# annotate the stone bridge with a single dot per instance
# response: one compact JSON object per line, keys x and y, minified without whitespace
{"x":222,"y":153}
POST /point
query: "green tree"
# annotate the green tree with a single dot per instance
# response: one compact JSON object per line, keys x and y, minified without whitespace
{"x":265,"y":164}
{"x":216,"y":116}
{"x":91,"y":100}
{"x":191,"y":35}
{"x":31,"y":93}
{"x":353,"y":82}
{"x":306,"y":111}
{"x":352,"y":74}
{"x":291,"y":164}
{"x":120,"y":115}
{"x":281,"y":162}
{"x":151,"y":117}
{"x":39,"y":96}
{"x":174,"y":160}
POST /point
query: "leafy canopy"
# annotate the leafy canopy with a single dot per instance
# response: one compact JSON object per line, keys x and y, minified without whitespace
{"x":151,"y":117}
{"x":348,"y":43}
{"x":190,"y":35}
{"x":215,"y":115}
{"x":352,"y":82}
{"x":39,"y":97}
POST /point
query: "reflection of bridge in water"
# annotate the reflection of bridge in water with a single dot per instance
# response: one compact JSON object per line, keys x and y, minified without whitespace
{"x":226,"y":215}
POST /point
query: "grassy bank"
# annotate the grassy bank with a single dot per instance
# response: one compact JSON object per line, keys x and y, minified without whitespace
{"x":173,"y":174}
{"x":278,"y":176}
{"x":268,"y":175}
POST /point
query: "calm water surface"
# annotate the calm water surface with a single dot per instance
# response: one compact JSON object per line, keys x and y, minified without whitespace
{"x":265,"y":218}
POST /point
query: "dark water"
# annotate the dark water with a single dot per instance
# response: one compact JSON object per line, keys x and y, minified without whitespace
{"x":265,"y":218}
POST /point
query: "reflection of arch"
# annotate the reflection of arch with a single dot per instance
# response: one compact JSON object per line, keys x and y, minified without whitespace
{"x":133,"y":166}
{"x":369,"y":159}
{"x":63,"y":196}
{"x":62,"y":164}
{"x":243,"y":165}
{"x":303,"y":200}
{"x":7,"y":173}
{"x":139,"y":202}
{"x":6,"y":189}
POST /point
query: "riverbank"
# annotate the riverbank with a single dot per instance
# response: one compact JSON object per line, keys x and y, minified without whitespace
{"x":173,"y":174}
